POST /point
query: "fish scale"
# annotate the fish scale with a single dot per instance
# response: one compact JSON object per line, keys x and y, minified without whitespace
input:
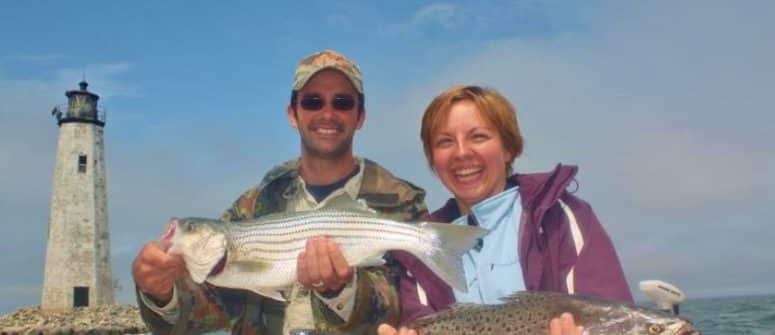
{"x":529,"y":313}
{"x":261,"y":254}
{"x":344,"y":228}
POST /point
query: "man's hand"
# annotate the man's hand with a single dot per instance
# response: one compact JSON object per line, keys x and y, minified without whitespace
{"x":564,"y":325}
{"x":322,"y":266}
{"x":155,"y":271}
{"x":386,"y":329}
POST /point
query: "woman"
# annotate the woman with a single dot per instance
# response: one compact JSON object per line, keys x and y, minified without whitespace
{"x":540,"y":237}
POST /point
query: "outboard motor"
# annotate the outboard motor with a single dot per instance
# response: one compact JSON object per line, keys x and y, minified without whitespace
{"x":667,"y":297}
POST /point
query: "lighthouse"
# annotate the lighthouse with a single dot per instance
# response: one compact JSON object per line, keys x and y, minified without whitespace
{"x":78,"y":271}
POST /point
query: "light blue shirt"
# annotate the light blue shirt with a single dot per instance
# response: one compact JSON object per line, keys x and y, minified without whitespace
{"x":494,"y":271}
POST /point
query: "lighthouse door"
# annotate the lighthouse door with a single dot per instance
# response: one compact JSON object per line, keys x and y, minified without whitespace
{"x":80,"y":296}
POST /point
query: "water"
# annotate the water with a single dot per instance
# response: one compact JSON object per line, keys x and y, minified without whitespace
{"x":747,"y":315}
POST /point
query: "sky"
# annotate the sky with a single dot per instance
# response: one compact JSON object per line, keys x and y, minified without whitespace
{"x":665,"y":106}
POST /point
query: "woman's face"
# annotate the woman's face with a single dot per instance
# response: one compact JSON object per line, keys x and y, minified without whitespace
{"x":469,"y":156}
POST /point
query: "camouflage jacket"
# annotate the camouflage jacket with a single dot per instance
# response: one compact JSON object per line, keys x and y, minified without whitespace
{"x":207,"y":308}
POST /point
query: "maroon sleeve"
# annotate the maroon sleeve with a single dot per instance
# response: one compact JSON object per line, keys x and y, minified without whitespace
{"x":597,"y":270}
{"x":411,"y":307}
{"x":438,"y":294}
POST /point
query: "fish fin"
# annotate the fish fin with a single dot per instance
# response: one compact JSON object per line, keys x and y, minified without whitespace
{"x":516,"y":296}
{"x":450,"y":243}
{"x":270,"y":293}
{"x":240,"y":274}
{"x":345,"y":203}
{"x":251,"y":266}
{"x":341,"y":203}
{"x":372,"y":261}
{"x":460,"y":309}
{"x":362,"y":256}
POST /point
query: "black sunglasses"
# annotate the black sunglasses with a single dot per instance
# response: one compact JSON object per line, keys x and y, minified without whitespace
{"x":316,"y":102}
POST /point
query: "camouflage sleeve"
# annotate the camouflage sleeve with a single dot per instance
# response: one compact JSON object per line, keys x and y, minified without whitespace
{"x":243,"y":208}
{"x":201,"y":309}
{"x":376,"y":302}
{"x":153,"y":321}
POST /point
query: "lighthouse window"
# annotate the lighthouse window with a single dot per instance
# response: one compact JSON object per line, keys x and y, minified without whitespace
{"x":82,"y":163}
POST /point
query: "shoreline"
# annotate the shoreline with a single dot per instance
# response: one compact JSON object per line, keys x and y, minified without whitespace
{"x":103,"y":319}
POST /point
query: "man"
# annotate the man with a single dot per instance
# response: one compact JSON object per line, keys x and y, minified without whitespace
{"x":327,"y":108}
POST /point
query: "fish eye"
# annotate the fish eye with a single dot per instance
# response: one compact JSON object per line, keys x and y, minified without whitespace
{"x":655,"y":329}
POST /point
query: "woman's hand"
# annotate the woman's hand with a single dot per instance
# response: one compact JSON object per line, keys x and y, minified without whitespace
{"x":386,"y":329}
{"x":564,"y":325}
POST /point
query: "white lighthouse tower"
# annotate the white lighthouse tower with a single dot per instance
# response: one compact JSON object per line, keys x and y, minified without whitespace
{"x":78,"y":269}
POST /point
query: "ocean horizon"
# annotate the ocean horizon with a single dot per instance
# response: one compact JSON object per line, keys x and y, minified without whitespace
{"x":730,"y":315}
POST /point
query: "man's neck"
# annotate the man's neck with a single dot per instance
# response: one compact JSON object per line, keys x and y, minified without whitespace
{"x":317,"y":171}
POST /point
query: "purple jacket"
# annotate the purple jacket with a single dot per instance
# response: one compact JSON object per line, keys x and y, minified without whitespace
{"x":559,"y":233}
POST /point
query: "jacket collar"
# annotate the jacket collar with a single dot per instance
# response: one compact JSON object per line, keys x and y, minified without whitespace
{"x":378,"y":187}
{"x":538,"y":192}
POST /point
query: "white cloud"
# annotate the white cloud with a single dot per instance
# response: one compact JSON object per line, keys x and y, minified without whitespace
{"x":101,"y":77}
{"x":12,"y":294}
{"x":576,"y":105}
{"x":36,"y":58}
{"x":667,"y":110}
{"x":700,"y":169}
{"x":442,"y":14}
{"x":339,"y":20}
{"x":19,"y":289}
{"x":436,"y":15}
{"x":28,"y":129}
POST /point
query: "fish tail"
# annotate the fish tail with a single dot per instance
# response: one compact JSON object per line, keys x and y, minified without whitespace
{"x":450,"y":243}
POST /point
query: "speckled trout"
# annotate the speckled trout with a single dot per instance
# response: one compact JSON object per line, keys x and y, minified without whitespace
{"x":260,"y":255}
{"x":529,"y":313}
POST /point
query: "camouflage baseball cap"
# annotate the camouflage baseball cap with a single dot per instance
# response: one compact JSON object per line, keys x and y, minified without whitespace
{"x":327,"y":59}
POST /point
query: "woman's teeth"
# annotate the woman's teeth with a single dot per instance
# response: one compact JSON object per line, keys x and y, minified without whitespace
{"x":464,"y":173}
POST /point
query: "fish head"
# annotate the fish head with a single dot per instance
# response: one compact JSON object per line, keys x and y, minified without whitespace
{"x":662,"y":323}
{"x":674,"y":326}
{"x":201,"y":242}
{"x":669,"y":326}
{"x":648,"y":322}
{"x":605,"y":317}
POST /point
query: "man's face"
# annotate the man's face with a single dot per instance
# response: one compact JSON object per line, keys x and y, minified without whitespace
{"x":326,"y":126}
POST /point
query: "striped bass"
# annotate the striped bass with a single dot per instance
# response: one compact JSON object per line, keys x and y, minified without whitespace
{"x":260,"y":254}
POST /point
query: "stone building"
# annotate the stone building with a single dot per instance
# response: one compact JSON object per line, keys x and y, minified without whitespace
{"x":78,"y":271}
